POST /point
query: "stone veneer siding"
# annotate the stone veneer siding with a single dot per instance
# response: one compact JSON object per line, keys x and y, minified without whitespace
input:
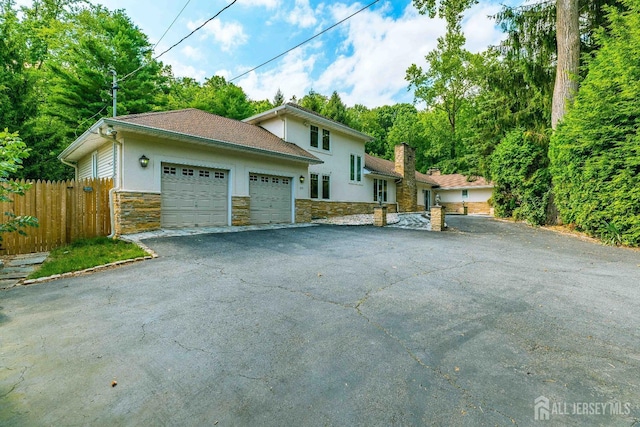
{"x":240,"y":210}
{"x":437,"y":218}
{"x":135,"y":212}
{"x":306,"y":209}
{"x":472,"y":207}
{"x":406,"y":189}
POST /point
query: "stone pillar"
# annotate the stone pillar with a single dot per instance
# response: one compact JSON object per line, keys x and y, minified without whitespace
{"x":380,"y":216}
{"x":437,"y":218}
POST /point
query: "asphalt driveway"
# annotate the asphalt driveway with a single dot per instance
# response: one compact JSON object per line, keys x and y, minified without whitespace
{"x":334,"y":325}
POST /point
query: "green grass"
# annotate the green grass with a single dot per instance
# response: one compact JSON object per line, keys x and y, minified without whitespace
{"x":87,"y":253}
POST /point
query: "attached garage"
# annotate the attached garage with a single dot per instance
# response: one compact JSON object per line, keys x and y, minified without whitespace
{"x":270,"y":199}
{"x":194,"y":196}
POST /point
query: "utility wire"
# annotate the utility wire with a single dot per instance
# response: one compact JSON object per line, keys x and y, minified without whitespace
{"x":306,"y":41}
{"x":171,"y":25}
{"x":181,"y":40}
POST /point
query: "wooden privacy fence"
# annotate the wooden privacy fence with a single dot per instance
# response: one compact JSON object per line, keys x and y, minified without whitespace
{"x":66,"y":211}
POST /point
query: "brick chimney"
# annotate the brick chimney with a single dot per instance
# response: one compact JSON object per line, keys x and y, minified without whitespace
{"x":406,"y":190}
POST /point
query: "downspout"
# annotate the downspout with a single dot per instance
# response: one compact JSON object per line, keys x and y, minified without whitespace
{"x":117,"y":150}
{"x":74,"y":166}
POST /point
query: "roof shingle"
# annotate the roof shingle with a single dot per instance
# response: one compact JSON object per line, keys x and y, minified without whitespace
{"x":456,"y":180}
{"x":198,"y":123}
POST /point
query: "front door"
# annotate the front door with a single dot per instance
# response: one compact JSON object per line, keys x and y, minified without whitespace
{"x":427,"y":200}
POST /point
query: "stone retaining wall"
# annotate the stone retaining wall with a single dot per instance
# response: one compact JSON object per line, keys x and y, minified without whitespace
{"x":306,"y":210}
{"x":472,"y":207}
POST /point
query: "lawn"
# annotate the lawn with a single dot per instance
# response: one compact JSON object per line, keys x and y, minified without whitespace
{"x":87,"y":253}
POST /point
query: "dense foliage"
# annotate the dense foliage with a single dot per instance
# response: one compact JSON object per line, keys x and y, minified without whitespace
{"x":596,"y":151}
{"x":12,"y":153}
{"x":521,"y":176}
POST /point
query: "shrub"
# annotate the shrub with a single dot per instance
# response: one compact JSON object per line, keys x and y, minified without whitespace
{"x":519,"y":170}
{"x":595,"y":153}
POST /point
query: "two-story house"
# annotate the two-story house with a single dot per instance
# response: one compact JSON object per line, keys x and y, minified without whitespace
{"x":189,"y":168}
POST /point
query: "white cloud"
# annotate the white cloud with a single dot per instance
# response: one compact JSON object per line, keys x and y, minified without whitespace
{"x":229,"y":35}
{"x":192,"y":52}
{"x":292,"y":77}
{"x":269,"y":4}
{"x":302,"y":15}
{"x":382,"y":49}
{"x":183,"y":70}
{"x":479,"y":29}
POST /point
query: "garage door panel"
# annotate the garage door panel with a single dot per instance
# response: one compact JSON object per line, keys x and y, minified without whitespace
{"x":270,"y":199}
{"x":194,"y":197}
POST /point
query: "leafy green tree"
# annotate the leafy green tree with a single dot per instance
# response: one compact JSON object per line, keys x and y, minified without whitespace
{"x":313,"y":101}
{"x":595,"y":153}
{"x":223,"y":98}
{"x":278,"y":99}
{"x":448,"y":82}
{"x":12,"y":152}
{"x":519,"y":170}
{"x":335,"y":109}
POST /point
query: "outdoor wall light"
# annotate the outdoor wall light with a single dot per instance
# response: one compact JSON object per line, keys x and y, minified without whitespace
{"x":301,"y":179}
{"x":144,"y":161}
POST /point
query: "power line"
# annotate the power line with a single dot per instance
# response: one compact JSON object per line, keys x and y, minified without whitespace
{"x":171,"y":25}
{"x":306,"y":41}
{"x":181,"y":40}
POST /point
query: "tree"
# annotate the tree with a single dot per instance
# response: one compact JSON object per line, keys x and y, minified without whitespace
{"x":568,"y":62}
{"x":313,"y":101}
{"x":448,"y":83}
{"x":278,"y":99}
{"x":223,"y":98}
{"x":335,"y":109}
{"x":595,"y":152}
{"x":519,"y":170}
{"x":12,"y":151}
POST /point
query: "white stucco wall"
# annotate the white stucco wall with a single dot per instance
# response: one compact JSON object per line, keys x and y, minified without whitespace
{"x":336,"y":161}
{"x":239,"y":165}
{"x":455,"y":196}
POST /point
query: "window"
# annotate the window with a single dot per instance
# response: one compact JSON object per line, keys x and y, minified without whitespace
{"x":379,"y":190}
{"x":203,"y":174}
{"x":94,"y":165}
{"x":285,"y":181}
{"x":355,"y":174}
{"x":275,"y":180}
{"x":325,"y":186}
{"x":465,"y":194}
{"x":314,"y":185}
{"x":168,"y":170}
{"x":253,"y":178}
{"x":187,"y":172}
{"x":326,"y":145}
{"x":219,"y":175}
{"x":314,"y":136}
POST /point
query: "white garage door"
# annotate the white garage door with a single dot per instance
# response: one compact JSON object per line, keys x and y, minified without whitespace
{"x":270,"y":199}
{"x":194,"y":196}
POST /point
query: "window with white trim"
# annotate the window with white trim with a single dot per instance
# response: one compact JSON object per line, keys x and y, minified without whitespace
{"x":355,"y":171}
{"x":326,"y":185}
{"x":314,"y":136}
{"x":379,"y":190}
{"x":465,"y":194}
{"x":313,"y":185}
{"x":94,"y":164}
{"x":326,"y":140}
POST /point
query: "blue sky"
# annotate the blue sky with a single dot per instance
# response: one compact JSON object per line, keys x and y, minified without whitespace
{"x":364,"y":59}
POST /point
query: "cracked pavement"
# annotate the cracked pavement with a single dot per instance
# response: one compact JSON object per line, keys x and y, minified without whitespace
{"x":331,"y":325}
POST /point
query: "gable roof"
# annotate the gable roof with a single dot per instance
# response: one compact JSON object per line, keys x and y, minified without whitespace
{"x":306,"y":114}
{"x":388,"y":168}
{"x":457,"y":181}
{"x":201,"y":127}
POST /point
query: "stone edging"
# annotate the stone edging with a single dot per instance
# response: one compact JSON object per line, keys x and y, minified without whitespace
{"x":152,"y":255}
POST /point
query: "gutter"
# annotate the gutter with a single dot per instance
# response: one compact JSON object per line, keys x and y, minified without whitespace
{"x":73,"y":165}
{"x":209,"y":142}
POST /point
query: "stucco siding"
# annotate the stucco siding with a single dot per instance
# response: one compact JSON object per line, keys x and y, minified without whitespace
{"x":474,"y":195}
{"x":239,"y":165}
